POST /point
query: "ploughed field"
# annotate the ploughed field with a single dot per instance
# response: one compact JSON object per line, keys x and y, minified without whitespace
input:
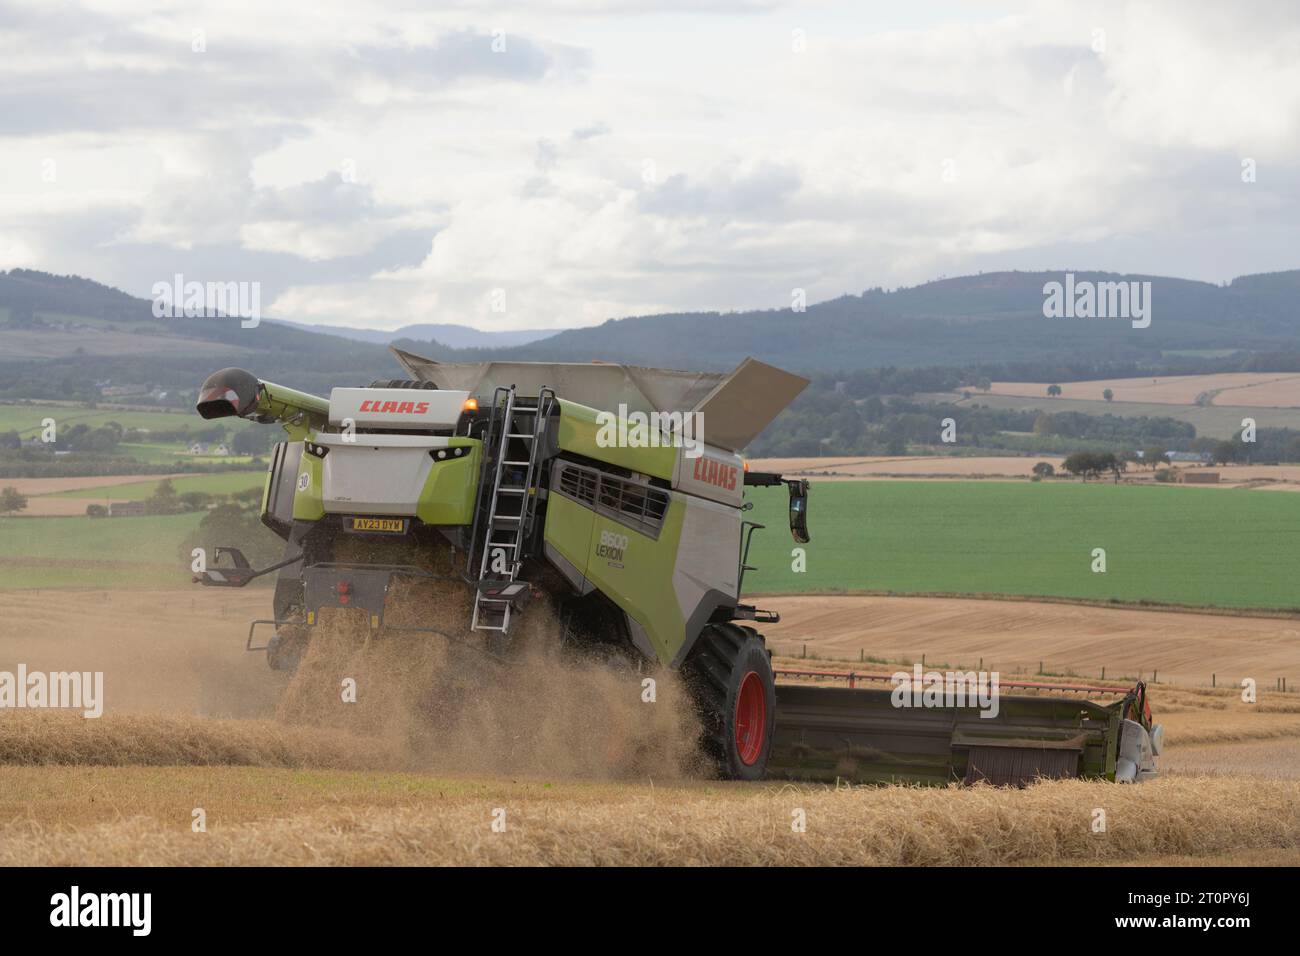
{"x":1080,"y":641}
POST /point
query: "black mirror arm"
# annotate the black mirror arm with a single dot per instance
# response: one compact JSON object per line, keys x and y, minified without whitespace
{"x":243,"y":573}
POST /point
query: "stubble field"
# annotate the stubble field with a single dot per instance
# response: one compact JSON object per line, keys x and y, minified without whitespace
{"x":193,"y":723}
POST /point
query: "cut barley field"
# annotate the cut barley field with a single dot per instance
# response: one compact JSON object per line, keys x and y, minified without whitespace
{"x":1220,"y":420}
{"x":872,"y":466}
{"x":1264,"y":389}
{"x":962,"y":468}
{"x":121,"y":790}
{"x":143,"y":816}
{"x":181,"y":650}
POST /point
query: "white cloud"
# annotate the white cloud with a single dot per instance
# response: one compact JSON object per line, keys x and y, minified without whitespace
{"x":619,"y":158}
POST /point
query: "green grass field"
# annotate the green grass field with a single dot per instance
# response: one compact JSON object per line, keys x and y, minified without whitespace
{"x":217,"y":484}
{"x":94,"y":552}
{"x":155,"y":453}
{"x":1234,"y":549}
{"x":26,"y":419}
{"x":175,"y":453}
{"x":1187,"y":546}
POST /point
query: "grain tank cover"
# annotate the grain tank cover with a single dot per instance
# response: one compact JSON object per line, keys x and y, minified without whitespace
{"x":745,"y":402}
{"x":736,"y":406}
{"x":597,"y":385}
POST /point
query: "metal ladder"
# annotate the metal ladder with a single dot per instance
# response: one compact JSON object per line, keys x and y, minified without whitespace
{"x":506,"y":532}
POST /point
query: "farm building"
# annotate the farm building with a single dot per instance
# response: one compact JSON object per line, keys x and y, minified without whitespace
{"x":126,"y":509}
{"x":1199,"y":477}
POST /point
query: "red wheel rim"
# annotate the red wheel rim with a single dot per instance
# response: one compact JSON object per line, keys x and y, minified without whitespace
{"x":751,"y":718}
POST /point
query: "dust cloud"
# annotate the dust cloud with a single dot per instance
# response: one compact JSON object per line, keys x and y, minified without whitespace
{"x":449,"y":706}
{"x":423,"y":701}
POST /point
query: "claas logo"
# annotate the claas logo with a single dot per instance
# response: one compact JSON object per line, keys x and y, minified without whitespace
{"x":713,"y":472}
{"x":395,"y":408}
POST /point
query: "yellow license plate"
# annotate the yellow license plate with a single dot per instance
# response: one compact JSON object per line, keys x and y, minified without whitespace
{"x":377,"y":525}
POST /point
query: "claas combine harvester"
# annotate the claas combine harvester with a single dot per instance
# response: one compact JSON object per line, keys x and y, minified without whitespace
{"x":513,"y":469}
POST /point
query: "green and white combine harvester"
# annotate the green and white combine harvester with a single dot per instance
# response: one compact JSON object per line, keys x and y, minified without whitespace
{"x":504,"y":471}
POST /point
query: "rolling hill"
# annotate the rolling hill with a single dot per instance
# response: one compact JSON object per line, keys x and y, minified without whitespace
{"x":990,"y":318}
{"x":454,"y":336}
{"x":61,"y":333}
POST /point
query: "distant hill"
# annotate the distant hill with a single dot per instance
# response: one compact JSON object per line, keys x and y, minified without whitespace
{"x":60,"y":334}
{"x":453,"y":336}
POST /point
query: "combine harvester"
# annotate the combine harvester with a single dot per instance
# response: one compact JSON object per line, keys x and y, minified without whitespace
{"x":590,"y":489}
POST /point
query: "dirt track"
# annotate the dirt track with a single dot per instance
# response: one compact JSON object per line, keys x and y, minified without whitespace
{"x":957,"y":468}
{"x":1016,"y":635}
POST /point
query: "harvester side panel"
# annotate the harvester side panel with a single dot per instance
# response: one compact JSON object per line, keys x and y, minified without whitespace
{"x":568,"y":539}
{"x":706,"y":574}
{"x":450,"y":493}
{"x":579,"y":432}
{"x":308,"y":499}
{"x":622,"y":560}
{"x":711,"y":473}
{"x":668,"y":560}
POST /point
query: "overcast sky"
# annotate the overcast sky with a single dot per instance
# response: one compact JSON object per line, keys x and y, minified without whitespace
{"x":377,"y":164}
